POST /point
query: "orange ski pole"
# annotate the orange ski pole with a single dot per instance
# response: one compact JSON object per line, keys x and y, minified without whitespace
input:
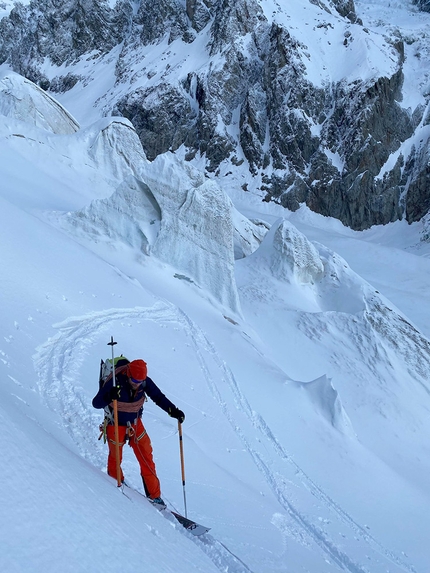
{"x":118,"y":465}
{"x":115,"y":419}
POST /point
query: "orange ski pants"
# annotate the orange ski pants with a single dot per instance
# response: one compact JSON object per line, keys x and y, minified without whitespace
{"x":141,"y":446}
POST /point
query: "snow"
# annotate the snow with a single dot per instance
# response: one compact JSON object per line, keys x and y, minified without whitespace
{"x":402,"y":20}
{"x":298,"y":349}
{"x":322,"y":35}
{"x":23,"y":100}
{"x":7,"y":5}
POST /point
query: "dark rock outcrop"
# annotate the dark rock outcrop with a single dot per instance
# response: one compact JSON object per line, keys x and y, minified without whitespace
{"x":423,"y":5}
{"x":249,"y":102}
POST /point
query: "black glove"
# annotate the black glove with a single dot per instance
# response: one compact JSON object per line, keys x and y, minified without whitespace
{"x":177,"y":414}
{"x":112,"y":394}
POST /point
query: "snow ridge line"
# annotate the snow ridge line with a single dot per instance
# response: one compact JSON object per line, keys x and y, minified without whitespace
{"x":57,"y":363}
{"x":317,"y":535}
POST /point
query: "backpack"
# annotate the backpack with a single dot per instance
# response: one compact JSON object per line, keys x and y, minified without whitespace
{"x":106,"y":368}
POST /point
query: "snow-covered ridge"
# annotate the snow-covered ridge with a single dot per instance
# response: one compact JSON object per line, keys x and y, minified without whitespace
{"x":172,"y":213}
{"x":23,"y":100}
{"x":166,"y":208}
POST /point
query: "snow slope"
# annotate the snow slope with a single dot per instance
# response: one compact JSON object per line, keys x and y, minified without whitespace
{"x":307,"y":408}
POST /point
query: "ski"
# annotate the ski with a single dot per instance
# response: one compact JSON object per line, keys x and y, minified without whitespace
{"x":193,"y":527}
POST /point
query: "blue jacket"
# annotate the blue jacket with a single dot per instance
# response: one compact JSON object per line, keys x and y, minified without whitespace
{"x":130,"y":402}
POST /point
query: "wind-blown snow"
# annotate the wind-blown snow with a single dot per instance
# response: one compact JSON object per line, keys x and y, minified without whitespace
{"x":196,"y":232}
{"x":328,"y":404}
{"x":303,"y":367}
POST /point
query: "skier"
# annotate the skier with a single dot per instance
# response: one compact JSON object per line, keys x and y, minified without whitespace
{"x":132,"y":385}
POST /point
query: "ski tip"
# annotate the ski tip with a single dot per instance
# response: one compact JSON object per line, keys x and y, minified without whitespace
{"x":191,"y":526}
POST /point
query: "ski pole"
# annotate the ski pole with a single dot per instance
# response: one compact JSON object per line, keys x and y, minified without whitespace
{"x":100,"y":385}
{"x":100,"y":375}
{"x":115,"y":418}
{"x":181,"y":450}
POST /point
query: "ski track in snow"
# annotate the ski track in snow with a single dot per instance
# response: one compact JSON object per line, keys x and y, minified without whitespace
{"x":219,"y":553}
{"x":58,"y":363}
{"x":312,"y":530}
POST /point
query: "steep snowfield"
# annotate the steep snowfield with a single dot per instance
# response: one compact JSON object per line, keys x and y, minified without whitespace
{"x":367,"y":53}
{"x":402,"y":18}
{"x":307,"y":412}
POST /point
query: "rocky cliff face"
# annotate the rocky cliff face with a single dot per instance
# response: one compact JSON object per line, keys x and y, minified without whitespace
{"x":234,"y":83}
{"x":423,"y":5}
